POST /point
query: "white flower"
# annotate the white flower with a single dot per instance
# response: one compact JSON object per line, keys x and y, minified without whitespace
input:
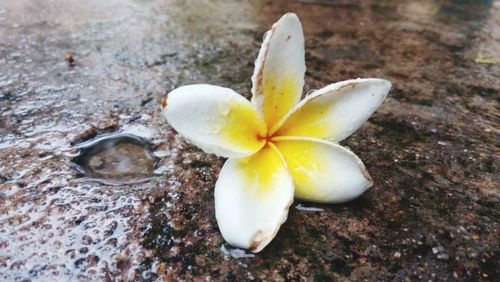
{"x":277,"y":146}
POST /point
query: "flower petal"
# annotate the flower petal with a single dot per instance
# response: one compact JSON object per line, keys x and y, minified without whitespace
{"x":216,"y":119}
{"x":322,"y":171}
{"x":278,"y":78}
{"x":336,"y":111}
{"x":252,"y":197}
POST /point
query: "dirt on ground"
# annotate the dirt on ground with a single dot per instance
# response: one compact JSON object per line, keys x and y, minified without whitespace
{"x":73,"y":71}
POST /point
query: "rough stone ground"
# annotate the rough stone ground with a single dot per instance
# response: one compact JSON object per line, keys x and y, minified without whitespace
{"x":71,"y":70}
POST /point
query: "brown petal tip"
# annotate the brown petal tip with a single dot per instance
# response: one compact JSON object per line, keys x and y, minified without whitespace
{"x":256,"y":241}
{"x":164,"y":102}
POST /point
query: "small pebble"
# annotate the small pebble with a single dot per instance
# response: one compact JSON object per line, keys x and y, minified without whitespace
{"x":436,"y":250}
{"x":443,"y":256}
{"x":70,"y":59}
{"x":96,"y":163}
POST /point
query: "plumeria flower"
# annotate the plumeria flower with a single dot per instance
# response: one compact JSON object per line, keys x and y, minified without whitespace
{"x":277,"y":147}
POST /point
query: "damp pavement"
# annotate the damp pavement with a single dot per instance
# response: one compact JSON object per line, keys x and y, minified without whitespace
{"x":75,"y":207}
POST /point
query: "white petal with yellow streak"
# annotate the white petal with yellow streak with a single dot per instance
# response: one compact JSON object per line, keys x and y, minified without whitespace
{"x":252,"y":198}
{"x":278,"y":78}
{"x":336,"y":111}
{"x":216,"y":119}
{"x":322,"y":171}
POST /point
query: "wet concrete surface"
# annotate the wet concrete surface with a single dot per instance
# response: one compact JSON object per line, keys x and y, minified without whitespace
{"x":71,"y":71}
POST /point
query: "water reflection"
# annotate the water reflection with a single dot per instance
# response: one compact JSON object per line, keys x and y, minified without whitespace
{"x":116,"y":158}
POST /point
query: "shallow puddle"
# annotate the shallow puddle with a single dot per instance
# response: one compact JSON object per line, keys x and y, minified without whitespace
{"x":116,"y":159}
